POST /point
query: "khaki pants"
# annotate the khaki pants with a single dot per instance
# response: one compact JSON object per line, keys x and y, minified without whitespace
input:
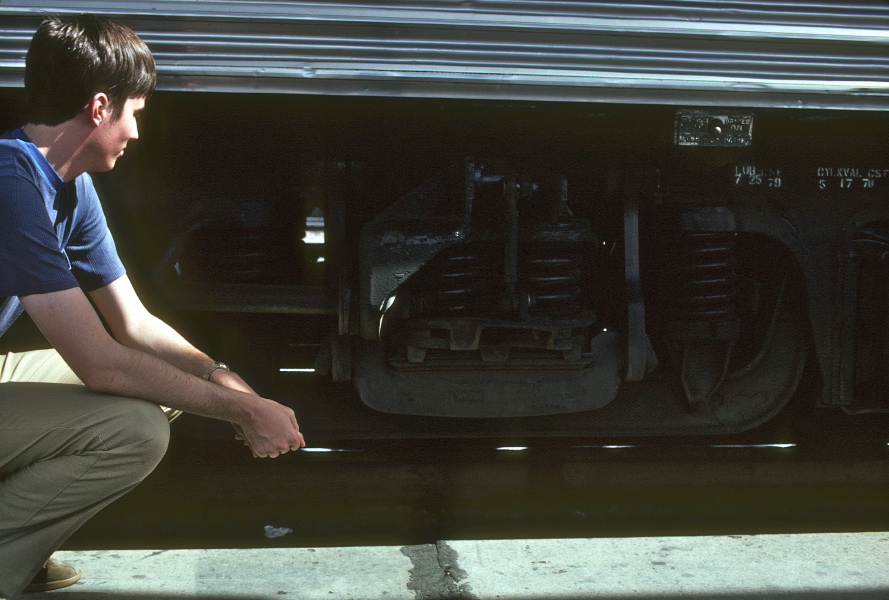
{"x":65,"y":453}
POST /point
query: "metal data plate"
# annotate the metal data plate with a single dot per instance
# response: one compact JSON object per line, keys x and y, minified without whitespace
{"x":705,"y":128}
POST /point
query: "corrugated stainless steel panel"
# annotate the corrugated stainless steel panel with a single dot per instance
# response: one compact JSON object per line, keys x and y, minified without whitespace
{"x":782,"y":54}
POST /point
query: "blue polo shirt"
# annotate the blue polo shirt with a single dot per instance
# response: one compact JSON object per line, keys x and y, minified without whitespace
{"x":53,"y":234}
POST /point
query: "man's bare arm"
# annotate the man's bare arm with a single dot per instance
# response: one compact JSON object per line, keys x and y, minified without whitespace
{"x":71,"y":325}
{"x":134,"y":326}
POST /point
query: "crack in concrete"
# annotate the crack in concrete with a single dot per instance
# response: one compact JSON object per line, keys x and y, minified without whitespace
{"x":436,"y":574}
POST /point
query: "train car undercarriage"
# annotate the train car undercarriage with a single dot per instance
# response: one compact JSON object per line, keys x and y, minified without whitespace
{"x":676,"y":288}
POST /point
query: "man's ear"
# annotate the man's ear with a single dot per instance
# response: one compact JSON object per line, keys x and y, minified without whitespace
{"x":98,"y":109}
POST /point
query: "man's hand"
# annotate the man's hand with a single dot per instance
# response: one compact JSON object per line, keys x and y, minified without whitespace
{"x":270,"y":429}
{"x":233,"y":381}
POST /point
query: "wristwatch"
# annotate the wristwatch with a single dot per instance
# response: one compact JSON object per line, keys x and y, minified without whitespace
{"x":216,"y":365}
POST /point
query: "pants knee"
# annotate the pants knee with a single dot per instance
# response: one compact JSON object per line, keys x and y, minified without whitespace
{"x":156,"y":427}
{"x":141,"y":435}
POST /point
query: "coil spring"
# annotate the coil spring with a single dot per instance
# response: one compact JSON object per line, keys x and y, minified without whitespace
{"x":707,"y":280}
{"x":551,"y":277}
{"x":458,"y":285}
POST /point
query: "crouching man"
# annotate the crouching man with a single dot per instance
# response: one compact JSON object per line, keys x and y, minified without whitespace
{"x":84,"y":422}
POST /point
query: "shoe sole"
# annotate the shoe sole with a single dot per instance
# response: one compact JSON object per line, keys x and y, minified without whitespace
{"x":36,"y":588}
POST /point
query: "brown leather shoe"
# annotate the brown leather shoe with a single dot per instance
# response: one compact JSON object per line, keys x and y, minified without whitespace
{"x":54,"y":575}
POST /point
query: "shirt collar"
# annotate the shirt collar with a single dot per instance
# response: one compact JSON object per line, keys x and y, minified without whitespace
{"x":39,"y":159}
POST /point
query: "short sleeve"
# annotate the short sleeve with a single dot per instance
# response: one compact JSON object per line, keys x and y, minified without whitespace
{"x":31,"y":261}
{"x":91,"y":249}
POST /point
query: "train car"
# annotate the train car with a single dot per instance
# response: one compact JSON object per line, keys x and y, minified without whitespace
{"x":552,"y":218}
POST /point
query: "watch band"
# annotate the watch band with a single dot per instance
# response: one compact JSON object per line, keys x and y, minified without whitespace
{"x":210,"y":369}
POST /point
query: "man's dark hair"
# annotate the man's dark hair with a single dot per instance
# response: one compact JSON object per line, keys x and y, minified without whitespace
{"x":70,"y":60}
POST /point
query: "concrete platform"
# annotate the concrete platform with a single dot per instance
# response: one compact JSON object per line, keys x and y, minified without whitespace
{"x":847,"y":566}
